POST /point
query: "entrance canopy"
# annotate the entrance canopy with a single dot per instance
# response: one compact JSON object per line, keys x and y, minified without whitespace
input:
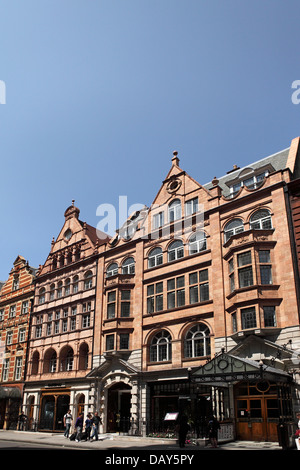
{"x":226,"y":368}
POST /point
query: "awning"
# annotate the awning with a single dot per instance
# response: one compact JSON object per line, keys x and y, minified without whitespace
{"x":10,"y":392}
{"x":226,"y":368}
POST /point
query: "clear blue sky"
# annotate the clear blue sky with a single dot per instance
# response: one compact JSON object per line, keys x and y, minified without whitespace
{"x":100,"y":92}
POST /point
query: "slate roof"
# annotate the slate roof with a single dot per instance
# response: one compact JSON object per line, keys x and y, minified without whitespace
{"x":278,"y":161}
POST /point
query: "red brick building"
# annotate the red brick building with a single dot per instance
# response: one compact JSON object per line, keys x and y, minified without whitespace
{"x":207,"y":270}
{"x":16,"y":297}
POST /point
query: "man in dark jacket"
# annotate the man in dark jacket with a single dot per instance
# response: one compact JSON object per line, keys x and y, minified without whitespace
{"x":96,"y":420}
{"x":79,"y":427}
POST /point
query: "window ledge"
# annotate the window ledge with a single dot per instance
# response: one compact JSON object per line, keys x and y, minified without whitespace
{"x":253,"y":287}
{"x":176,"y":309}
{"x":155,"y":363}
{"x":265,"y":331}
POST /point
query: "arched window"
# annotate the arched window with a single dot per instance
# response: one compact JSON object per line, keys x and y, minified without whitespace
{"x":175,"y":250}
{"x":232,"y":228}
{"x":42,"y":293}
{"x":66,"y":359}
{"x":53,"y":362}
{"x":50,"y":361}
{"x":52,"y":291}
{"x":197,"y":243}
{"x":128,"y":266}
{"x":67,"y":286}
{"x":174,"y":210}
{"x":69,"y":257}
{"x":35,"y":363}
{"x":77,"y":254}
{"x":112,"y":270}
{"x":128,"y":230}
{"x":197,"y":341}
{"x":83,"y":356}
{"x":88,"y":280}
{"x":59,"y":289}
{"x":155,"y":257}
{"x":54,"y":263}
{"x":61,"y":260}
{"x":75,"y":284}
{"x":261,"y":220}
{"x":160,"y":348}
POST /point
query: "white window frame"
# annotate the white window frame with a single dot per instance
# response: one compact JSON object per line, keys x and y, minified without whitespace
{"x":191,"y":206}
{"x":22,"y":335}
{"x":12,"y":311}
{"x":9,"y":338}
{"x":175,"y":251}
{"x":5,"y":370}
{"x":128,"y":267}
{"x":25,"y":307}
{"x":158,"y":220}
{"x":18,"y":367}
{"x":234,"y":189}
{"x":174,"y":210}
{"x":112,"y":272}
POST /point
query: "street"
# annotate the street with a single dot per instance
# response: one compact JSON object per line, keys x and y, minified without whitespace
{"x":15,"y":445}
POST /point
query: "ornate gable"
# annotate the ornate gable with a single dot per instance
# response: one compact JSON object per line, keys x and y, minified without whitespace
{"x":76,"y":240}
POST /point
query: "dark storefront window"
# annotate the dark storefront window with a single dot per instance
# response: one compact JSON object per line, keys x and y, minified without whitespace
{"x":53,"y":408}
{"x":197,"y":402}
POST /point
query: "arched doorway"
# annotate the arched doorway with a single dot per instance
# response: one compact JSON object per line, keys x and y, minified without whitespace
{"x":118,"y":408}
{"x":80,"y":404}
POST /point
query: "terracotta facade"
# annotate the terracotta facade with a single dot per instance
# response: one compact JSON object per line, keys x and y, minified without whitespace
{"x":61,"y":342}
{"x":191,"y":307}
{"x":211,"y":272}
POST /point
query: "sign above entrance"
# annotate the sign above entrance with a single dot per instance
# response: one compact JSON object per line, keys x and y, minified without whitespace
{"x":171,"y":416}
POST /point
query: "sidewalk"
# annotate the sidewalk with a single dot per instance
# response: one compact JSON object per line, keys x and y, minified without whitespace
{"x":114,"y":441}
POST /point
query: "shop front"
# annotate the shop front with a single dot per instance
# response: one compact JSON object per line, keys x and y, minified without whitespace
{"x":261,"y":396}
{"x":10,"y":407}
{"x":259,"y":407}
{"x":53,"y":407}
{"x":172,"y":399}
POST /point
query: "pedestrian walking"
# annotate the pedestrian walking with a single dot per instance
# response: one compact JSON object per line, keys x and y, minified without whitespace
{"x":182,"y":428}
{"x":88,"y":426}
{"x":79,"y":427}
{"x":22,"y":422}
{"x":213,"y":427}
{"x":96,"y":420}
{"x":68,"y":418}
{"x":297,"y":433}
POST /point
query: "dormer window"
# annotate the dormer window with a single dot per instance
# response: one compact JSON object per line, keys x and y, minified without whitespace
{"x":249,"y":180}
